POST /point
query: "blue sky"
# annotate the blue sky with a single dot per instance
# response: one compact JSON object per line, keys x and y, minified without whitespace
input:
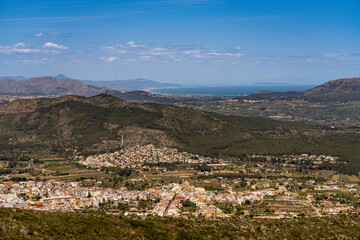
{"x":194,"y":42}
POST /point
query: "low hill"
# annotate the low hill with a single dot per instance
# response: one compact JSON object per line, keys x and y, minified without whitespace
{"x":341,"y":89}
{"x":104,"y":123}
{"x":347,"y":89}
{"x":140,"y":96}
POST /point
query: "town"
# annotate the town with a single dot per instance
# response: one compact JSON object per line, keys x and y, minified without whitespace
{"x":170,"y":200}
{"x":166,"y":182}
{"x":137,"y":156}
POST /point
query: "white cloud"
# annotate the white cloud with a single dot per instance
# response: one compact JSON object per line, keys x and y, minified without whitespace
{"x":109,"y":49}
{"x":26,"y":50}
{"x":225,"y":54}
{"x":116,"y":49}
{"x":343,"y":57}
{"x":199,"y":56}
{"x":55,"y":33}
{"x":128,"y":47}
{"x":158,"y":53}
{"x":21,"y":48}
{"x":108,"y":59}
{"x":329,"y":55}
{"x":5,"y":49}
{"x":191,"y":52}
{"x":51,"y":34}
{"x":159,"y":49}
{"x":145,"y":57}
{"x":138,"y":51}
{"x":33,"y":61}
{"x":132,"y":44}
{"x":20,"y":45}
{"x":54,"y":45}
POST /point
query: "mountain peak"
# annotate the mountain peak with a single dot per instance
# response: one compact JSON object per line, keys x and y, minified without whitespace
{"x":345,"y":89}
{"x":61,"y":77}
{"x":337,"y":87}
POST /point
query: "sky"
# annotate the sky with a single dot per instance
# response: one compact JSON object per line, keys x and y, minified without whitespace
{"x":191,"y":42}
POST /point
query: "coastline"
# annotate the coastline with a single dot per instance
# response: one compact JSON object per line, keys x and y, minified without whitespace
{"x":228,"y":90}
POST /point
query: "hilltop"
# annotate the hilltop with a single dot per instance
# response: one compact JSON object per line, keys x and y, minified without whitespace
{"x":346,"y":89}
{"x":140,"y":96}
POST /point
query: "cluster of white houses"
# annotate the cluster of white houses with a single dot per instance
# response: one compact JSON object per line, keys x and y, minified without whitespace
{"x":60,"y":196}
{"x":316,"y":159}
{"x":136,"y":156}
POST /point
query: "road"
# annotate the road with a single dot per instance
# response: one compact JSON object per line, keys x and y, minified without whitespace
{"x":317,"y":211}
{"x":168,"y":206}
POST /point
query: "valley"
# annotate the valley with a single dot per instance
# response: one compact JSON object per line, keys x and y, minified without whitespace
{"x":198,"y":158}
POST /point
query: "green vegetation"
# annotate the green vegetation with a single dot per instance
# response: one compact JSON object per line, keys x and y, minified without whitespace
{"x":104,"y":123}
{"x":341,"y":114}
{"x":23,"y":224}
{"x":188,"y":206}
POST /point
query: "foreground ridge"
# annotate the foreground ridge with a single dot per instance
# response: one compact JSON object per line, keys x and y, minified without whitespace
{"x":24,"y":224}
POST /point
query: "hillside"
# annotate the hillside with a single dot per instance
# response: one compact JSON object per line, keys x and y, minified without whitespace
{"x":104,"y":122}
{"x":142,"y":97}
{"x":21,"y":224}
{"x":42,"y":86}
{"x":347,"y":89}
{"x":87,"y":122}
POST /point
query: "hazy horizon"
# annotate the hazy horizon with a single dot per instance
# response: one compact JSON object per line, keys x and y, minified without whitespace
{"x":181,"y":85}
{"x":189,"y":42}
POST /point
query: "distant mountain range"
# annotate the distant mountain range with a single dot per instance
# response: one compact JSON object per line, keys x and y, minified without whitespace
{"x":45,"y":86}
{"x":15,"y":77}
{"x":131,"y":84}
{"x":337,"y":90}
{"x":346,"y":89}
{"x":61,"y":85}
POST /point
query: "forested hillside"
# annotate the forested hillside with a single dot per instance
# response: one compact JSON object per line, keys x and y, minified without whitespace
{"x":104,"y":123}
{"x":23,"y":224}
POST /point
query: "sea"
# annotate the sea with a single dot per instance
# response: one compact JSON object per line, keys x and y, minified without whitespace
{"x":231,"y":90}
